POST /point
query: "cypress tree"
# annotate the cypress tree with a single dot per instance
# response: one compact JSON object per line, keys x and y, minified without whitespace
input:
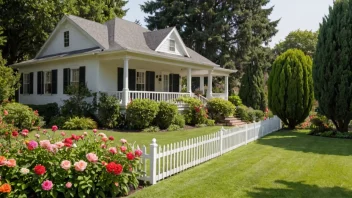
{"x":290,"y":87}
{"x":332,"y":70}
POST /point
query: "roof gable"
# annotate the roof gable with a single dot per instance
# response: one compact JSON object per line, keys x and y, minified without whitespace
{"x":155,"y":38}
{"x":181,"y":48}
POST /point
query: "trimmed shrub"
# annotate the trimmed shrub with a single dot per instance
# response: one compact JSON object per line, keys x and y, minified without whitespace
{"x":80,"y":123}
{"x":190,"y":101}
{"x":47,"y":111}
{"x":259,"y":115}
{"x":58,"y":121}
{"x":151,"y":129}
{"x":242,"y":113}
{"x":219,"y":109}
{"x":320,"y":124}
{"x":174,"y":127}
{"x":210,"y":122}
{"x":141,"y":113}
{"x":108,"y":110}
{"x":22,"y":116}
{"x":290,"y":87}
{"x":179,"y":120}
{"x":196,"y":112}
{"x":235,"y":100}
{"x":166,"y":115}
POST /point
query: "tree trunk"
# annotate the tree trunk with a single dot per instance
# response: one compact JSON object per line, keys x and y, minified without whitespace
{"x":342,"y":126}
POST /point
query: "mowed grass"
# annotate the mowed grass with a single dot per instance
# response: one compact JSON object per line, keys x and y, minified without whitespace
{"x":142,"y":138}
{"x":284,"y":164}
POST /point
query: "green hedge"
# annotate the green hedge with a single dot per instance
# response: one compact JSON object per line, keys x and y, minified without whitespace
{"x":80,"y":123}
{"x":141,"y":112}
{"x":166,"y":114}
{"x":235,"y":100}
{"x":108,"y":111}
{"x":22,"y":116}
{"x":219,"y":109}
{"x":47,"y":111}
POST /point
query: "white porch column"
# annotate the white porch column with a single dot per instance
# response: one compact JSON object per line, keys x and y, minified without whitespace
{"x":210,"y":85}
{"x":189,"y":80}
{"x":202,"y":84}
{"x":125,"y":90}
{"x":226,"y":87}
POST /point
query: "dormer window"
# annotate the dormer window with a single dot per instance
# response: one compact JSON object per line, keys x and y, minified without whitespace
{"x":172,"y":45}
{"x":66,"y":38}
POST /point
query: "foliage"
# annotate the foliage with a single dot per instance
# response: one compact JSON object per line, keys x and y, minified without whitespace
{"x":196,"y":113}
{"x":332,"y":66}
{"x":80,"y":123}
{"x":303,"y":40}
{"x":320,"y":124}
{"x":179,"y":120}
{"x":58,"y":121}
{"x":219,"y":109}
{"x":151,"y":129}
{"x":27,"y":24}
{"x":108,"y":110}
{"x":166,"y":114}
{"x":47,"y":111}
{"x":190,"y":101}
{"x":210,"y":122}
{"x":174,"y":127}
{"x":242,"y":113}
{"x":82,"y":165}
{"x":223,"y":33}
{"x":78,"y":104}
{"x":9,"y":81}
{"x":235,"y":100}
{"x":21,"y":116}
{"x":2,"y":37}
{"x":290,"y":87}
{"x":259,"y":115}
{"x":141,"y":113}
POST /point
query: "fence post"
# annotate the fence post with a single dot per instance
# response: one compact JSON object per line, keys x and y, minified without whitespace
{"x":153,"y":155}
{"x":246,"y":133}
{"x":221,"y":139}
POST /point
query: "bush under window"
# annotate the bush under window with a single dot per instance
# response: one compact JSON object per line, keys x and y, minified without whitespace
{"x":80,"y":123}
{"x":108,"y":110}
{"x":219,"y":109}
{"x":140,"y":113}
{"x":22,"y":116}
{"x":166,"y":115}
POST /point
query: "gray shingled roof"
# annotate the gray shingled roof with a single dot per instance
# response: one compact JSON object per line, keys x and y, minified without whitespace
{"x":118,"y":34}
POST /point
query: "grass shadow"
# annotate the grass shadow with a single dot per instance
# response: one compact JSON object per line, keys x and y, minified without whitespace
{"x":299,"y":189}
{"x":296,"y":140}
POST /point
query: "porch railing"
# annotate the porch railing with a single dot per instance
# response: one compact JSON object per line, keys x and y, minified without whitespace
{"x":219,"y":95}
{"x":157,"y":96}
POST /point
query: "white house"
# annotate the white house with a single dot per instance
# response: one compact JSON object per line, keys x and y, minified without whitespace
{"x":118,"y":57}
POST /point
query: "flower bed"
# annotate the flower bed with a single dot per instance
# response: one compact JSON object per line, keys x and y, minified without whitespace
{"x":81,"y":165}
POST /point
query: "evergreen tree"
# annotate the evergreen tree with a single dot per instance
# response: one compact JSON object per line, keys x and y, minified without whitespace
{"x":28,"y":23}
{"x":290,"y":87}
{"x":332,"y":70}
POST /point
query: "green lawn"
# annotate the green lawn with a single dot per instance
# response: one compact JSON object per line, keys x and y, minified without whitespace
{"x":143,"y":138}
{"x":284,"y":164}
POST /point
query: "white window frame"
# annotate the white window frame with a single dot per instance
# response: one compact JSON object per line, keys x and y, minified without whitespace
{"x":68,"y":38}
{"x":138,"y":81}
{"x":172,"y":48}
{"x":46,"y":83}
{"x":26,"y":83}
{"x":71,"y":76}
{"x":163,"y":74}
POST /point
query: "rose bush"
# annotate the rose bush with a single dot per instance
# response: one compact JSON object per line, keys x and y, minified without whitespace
{"x":81,"y":165}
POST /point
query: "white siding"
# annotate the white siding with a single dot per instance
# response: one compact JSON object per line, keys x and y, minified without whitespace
{"x":165,"y":47}
{"x":92,"y":74}
{"x":108,"y":76}
{"x":78,"y":41}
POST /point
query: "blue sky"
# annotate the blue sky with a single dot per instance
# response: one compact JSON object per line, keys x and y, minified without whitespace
{"x":294,"y":14}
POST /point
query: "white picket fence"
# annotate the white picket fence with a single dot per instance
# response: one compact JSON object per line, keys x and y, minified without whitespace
{"x":165,"y":161}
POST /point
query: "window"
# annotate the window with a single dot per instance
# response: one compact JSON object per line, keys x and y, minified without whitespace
{"x":47,"y":82}
{"x":172,"y":45}
{"x":26,"y":83}
{"x":140,"y":81}
{"x":166,"y":82}
{"x":74,"y":77}
{"x":66,"y":38}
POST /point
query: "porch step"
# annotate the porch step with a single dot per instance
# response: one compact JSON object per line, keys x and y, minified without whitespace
{"x":232,"y":121}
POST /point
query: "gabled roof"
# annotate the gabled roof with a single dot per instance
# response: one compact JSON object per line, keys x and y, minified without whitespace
{"x":155,"y":38}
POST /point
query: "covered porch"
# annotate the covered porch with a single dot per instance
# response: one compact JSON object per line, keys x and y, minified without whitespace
{"x":134,"y":77}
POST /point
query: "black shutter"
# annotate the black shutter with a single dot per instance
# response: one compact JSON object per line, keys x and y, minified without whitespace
{"x":176,"y":83}
{"x":54,"y":81}
{"x":205,"y":81}
{"x":119,"y":79}
{"x":21,"y":81}
{"x":150,"y":81}
{"x":82,"y":76}
{"x":40,"y":79}
{"x":31,"y":79}
{"x":67,"y":76}
{"x":170,"y":82}
{"x":132,"y":79}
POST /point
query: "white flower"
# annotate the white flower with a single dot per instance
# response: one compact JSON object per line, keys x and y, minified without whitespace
{"x":24,"y":171}
{"x":74,"y":145}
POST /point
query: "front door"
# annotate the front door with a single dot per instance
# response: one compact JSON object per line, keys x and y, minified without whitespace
{"x":174,"y":83}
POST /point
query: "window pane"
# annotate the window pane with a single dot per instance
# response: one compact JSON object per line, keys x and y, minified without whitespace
{"x":166,"y":83}
{"x":74,"y":75}
{"x":172,"y":45}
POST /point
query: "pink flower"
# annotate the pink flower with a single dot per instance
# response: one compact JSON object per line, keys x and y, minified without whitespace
{"x":45,"y":144}
{"x":68,"y":185}
{"x":104,"y":139}
{"x":45,"y":131}
{"x":80,"y":165}
{"x":95,"y":130}
{"x":138,"y":153}
{"x":37,"y":135}
{"x":47,"y":185}
{"x":32,"y":145}
{"x":24,"y":132}
{"x":113,"y":150}
{"x":63,"y":133}
{"x":59,"y":145}
{"x":54,"y":128}
{"x":111,"y":138}
{"x":52,"y":148}
{"x":6,"y":113}
{"x":123,"y":149}
{"x":123,"y":141}
{"x":65,"y":164}
{"x":11,"y":163}
{"x":103,"y":146}
{"x":92,"y":157}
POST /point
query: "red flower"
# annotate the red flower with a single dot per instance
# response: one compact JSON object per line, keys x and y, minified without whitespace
{"x":54,"y":128}
{"x":130,"y":156}
{"x":14,"y":133}
{"x":75,"y":137}
{"x":111,"y":138}
{"x":68,"y":142}
{"x":114,"y":168}
{"x":25,"y":132}
{"x":138,"y":153}
{"x":39,"y":169}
